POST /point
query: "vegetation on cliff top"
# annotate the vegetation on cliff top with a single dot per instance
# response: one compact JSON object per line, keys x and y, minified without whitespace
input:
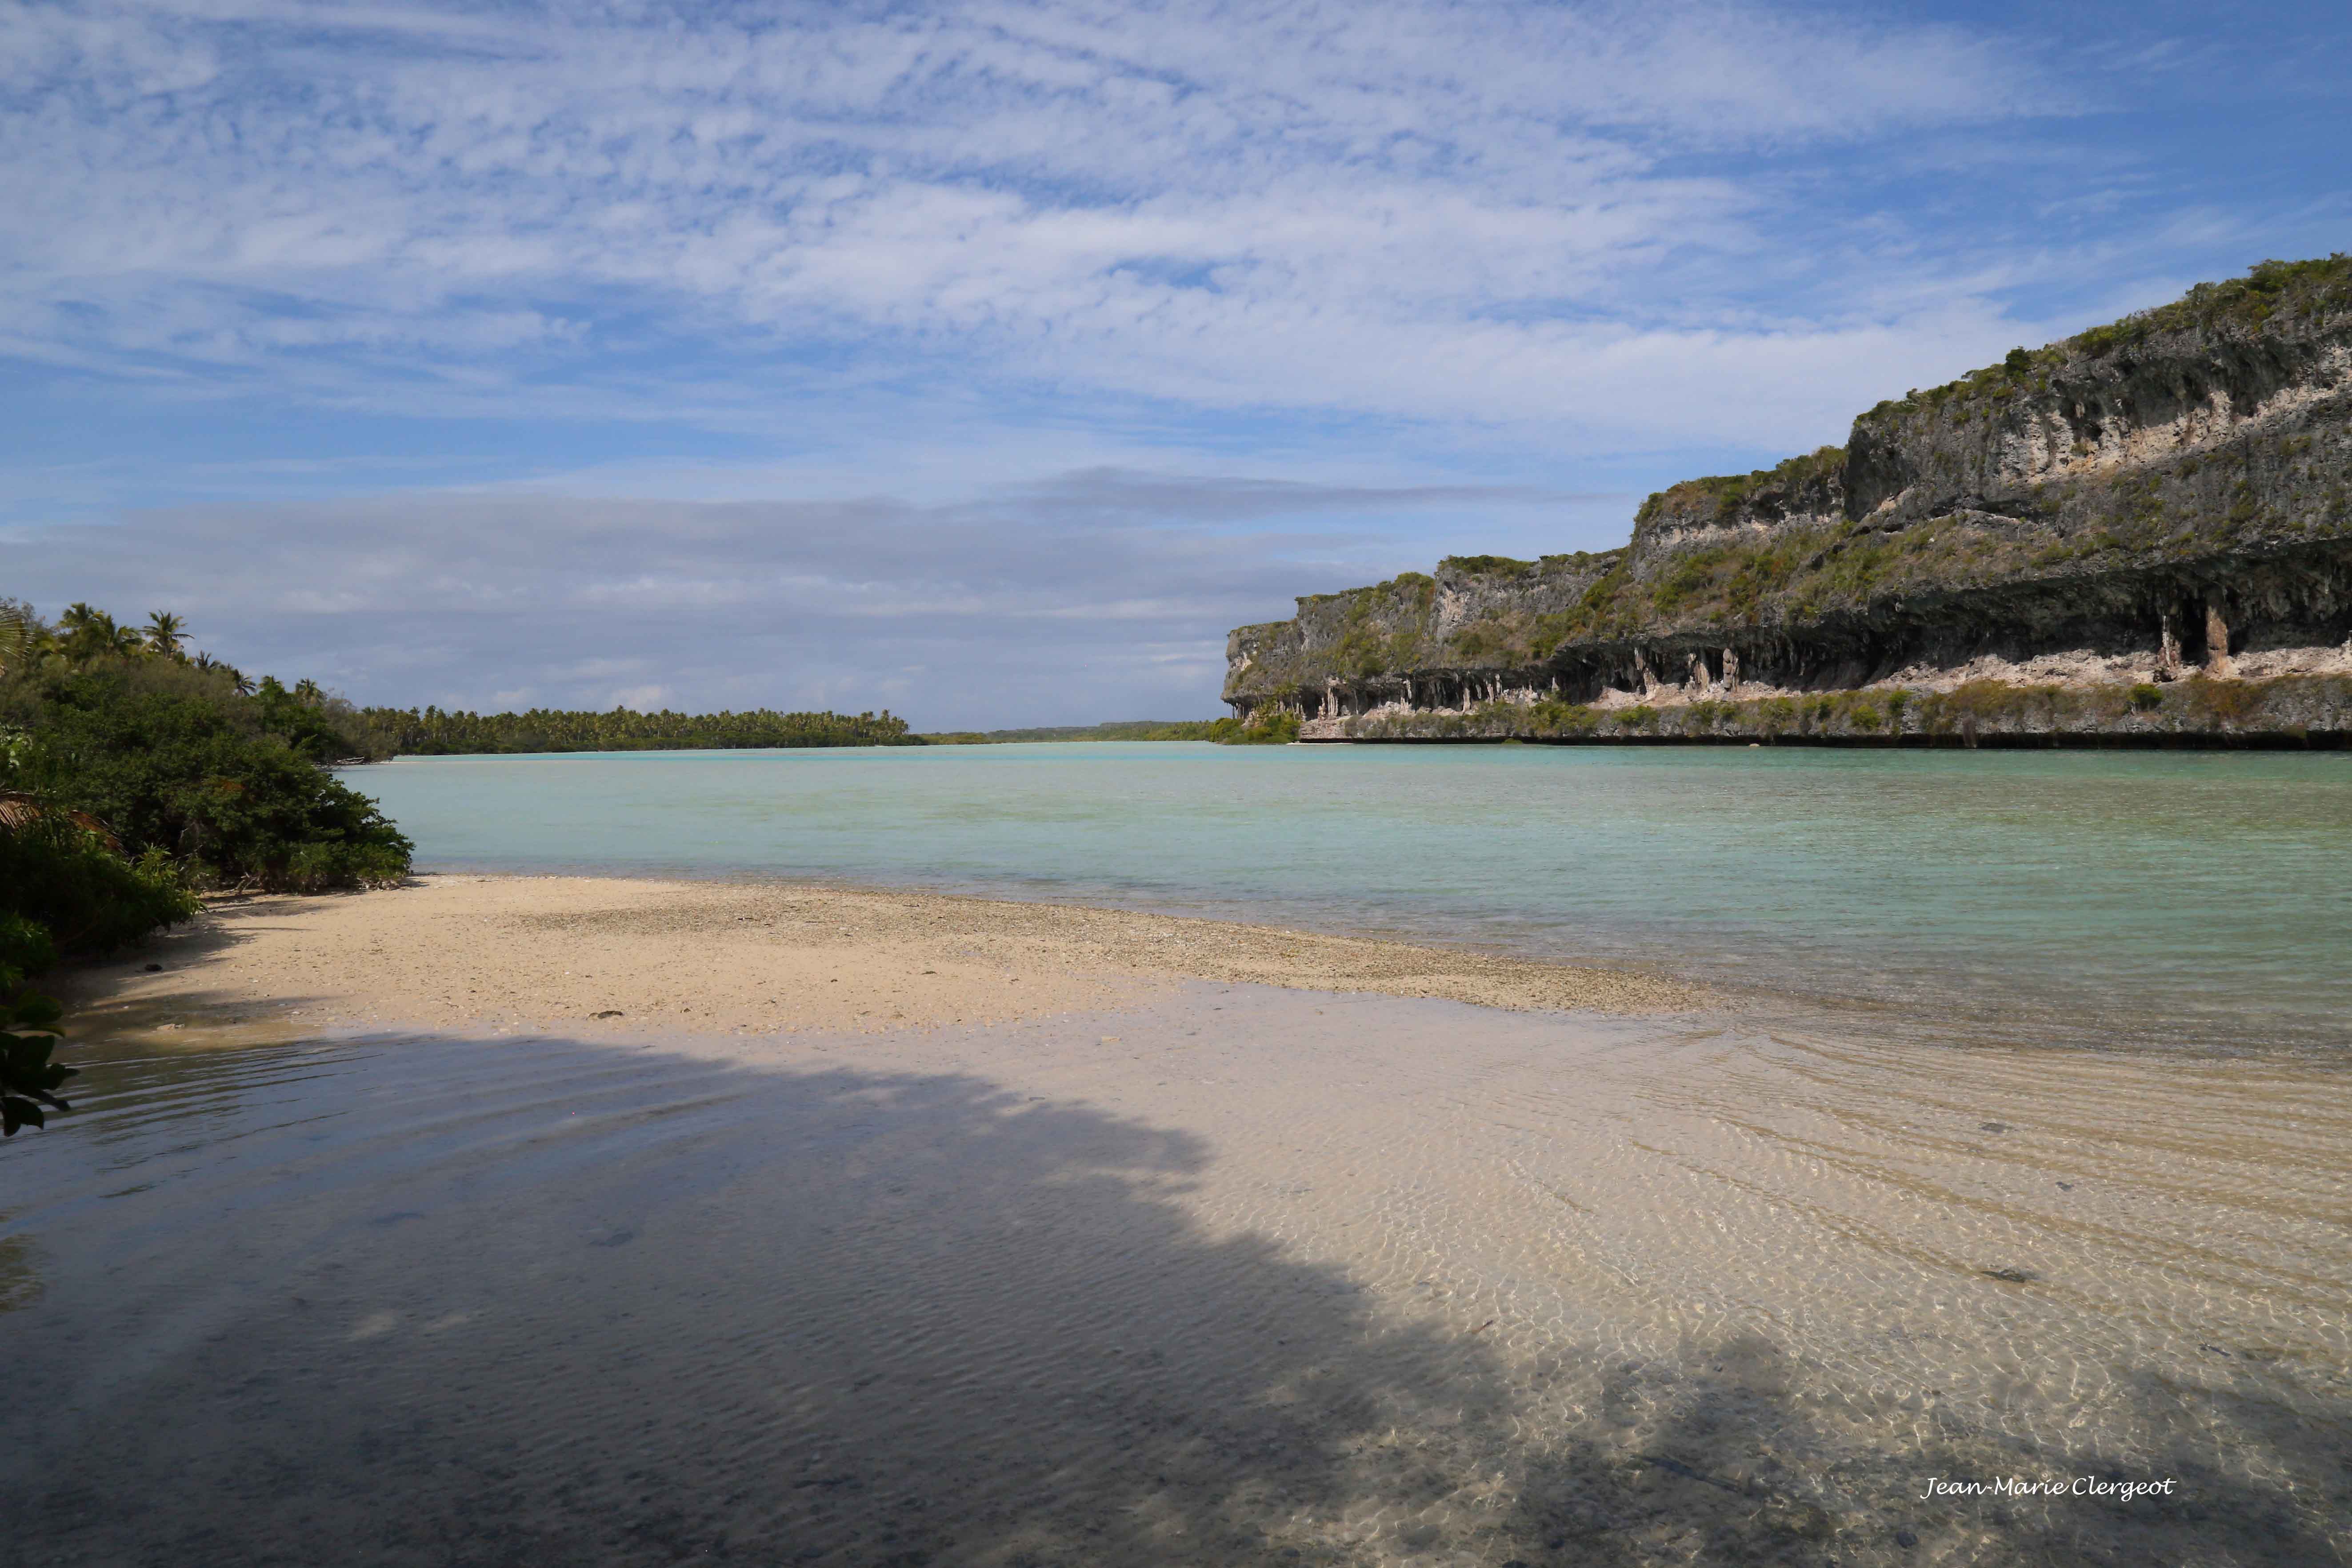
{"x":1719,"y":498}
{"x":2312,"y":290}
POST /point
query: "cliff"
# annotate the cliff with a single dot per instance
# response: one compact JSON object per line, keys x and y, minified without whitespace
{"x":2157,"y":505}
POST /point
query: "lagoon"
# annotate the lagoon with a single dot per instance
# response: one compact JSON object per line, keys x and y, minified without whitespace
{"x":590,"y":1268}
{"x":2139,"y":900}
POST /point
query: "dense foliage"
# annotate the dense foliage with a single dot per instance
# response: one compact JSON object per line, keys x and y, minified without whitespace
{"x":134,"y":774}
{"x":1272,"y":727}
{"x":224,"y":789}
{"x":434,"y":731}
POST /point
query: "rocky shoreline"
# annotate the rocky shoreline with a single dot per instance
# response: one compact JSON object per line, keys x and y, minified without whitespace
{"x":2141,"y":536}
{"x":2310,"y":712}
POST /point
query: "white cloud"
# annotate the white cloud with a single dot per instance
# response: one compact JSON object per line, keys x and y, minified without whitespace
{"x":1444,"y":211}
{"x":1014,"y":281}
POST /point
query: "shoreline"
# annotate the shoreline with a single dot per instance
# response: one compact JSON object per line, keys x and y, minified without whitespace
{"x":608,"y":954}
{"x":1204,"y":1241}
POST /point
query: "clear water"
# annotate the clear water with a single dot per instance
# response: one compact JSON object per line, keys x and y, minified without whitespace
{"x":2197,"y":899}
{"x":1272,"y":1279}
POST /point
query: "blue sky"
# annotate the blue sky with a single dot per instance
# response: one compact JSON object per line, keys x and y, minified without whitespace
{"x":986,"y":362}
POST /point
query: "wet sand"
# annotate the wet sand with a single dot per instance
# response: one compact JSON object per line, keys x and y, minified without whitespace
{"x":1175,"y":1270}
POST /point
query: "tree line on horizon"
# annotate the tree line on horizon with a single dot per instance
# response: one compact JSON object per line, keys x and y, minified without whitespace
{"x":437,"y":731}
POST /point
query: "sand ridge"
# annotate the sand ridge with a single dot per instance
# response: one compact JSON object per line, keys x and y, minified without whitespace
{"x":623,"y":954}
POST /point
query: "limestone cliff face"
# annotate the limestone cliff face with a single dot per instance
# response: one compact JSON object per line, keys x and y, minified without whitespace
{"x":2167,"y":495}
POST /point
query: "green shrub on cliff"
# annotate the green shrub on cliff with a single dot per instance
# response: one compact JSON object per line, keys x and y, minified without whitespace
{"x":1272,"y":727}
{"x":1487,"y":565}
{"x":1719,"y":498}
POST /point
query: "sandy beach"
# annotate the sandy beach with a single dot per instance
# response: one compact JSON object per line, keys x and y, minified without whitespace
{"x":610,"y":955}
{"x":880,"y":1228}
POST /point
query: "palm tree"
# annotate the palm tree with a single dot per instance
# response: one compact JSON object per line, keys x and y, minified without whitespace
{"x":22,"y":635}
{"x":165,"y":631}
{"x":306,"y":691}
{"x":81,"y":626}
{"x":88,"y":632}
{"x":240,"y":681}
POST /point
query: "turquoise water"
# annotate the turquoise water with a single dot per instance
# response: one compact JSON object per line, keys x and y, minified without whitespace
{"x":2200,"y":900}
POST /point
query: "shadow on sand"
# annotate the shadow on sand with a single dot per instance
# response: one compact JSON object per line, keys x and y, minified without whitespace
{"x":436,"y":1301}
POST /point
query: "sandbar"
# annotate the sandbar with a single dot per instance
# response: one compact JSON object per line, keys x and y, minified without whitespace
{"x":712,"y":957}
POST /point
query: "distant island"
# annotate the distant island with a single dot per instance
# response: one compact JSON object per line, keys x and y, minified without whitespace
{"x":437,"y":731}
{"x":434,"y":731}
{"x":2141,"y":534}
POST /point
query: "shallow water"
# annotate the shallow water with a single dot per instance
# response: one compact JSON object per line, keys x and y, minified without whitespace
{"x":2200,"y":900}
{"x":1266,"y":1277}
{"x":1252,"y":1276}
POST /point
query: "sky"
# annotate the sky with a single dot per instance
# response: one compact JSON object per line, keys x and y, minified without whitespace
{"x":987,"y":362}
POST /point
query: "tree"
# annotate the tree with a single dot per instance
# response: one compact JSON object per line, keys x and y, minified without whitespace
{"x":93,"y":633}
{"x":83,"y":629}
{"x":205,"y":664}
{"x":165,"y":633}
{"x":23,"y":637}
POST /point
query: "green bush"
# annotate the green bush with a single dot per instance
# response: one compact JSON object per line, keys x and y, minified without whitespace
{"x":203,"y":781}
{"x":1276,"y":728}
{"x":26,"y":950}
{"x":62,"y":886}
{"x":132,"y":774}
{"x":63,"y":889}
